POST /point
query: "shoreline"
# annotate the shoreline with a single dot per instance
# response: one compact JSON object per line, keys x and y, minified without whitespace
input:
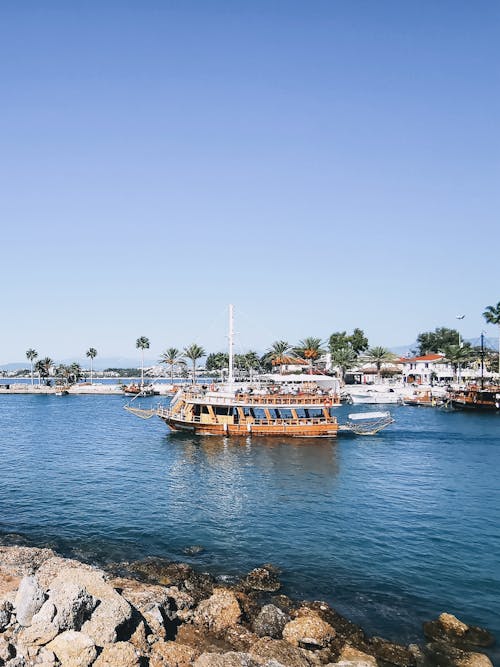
{"x":163,"y":613}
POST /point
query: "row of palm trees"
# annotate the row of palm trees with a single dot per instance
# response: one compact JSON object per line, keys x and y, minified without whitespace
{"x":172,"y":356}
{"x":68,"y":373}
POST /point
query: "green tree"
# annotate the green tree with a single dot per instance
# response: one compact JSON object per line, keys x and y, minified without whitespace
{"x":345,"y":358}
{"x":458,"y":356}
{"x":492,"y":316}
{"x":379,"y":355}
{"x":338,"y":341}
{"x":91,"y":354}
{"x":436,"y":341}
{"x":252,"y":361}
{"x":194,"y":352}
{"x":42,"y":367}
{"x":142,"y":344}
{"x":217,"y":361}
{"x":358,"y":341}
{"x":171,"y":357}
{"x":31,"y":355}
{"x":276,"y":354}
{"x":69,"y":374}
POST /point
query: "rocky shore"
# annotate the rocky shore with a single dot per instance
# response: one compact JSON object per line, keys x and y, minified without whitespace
{"x":60,"y":612}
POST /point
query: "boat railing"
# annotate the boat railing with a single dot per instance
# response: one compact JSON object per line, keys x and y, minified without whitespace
{"x":277,"y":399}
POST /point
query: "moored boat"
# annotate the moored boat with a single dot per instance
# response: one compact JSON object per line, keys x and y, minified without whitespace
{"x":475,"y":397}
{"x":423,"y":398}
{"x":230,"y":412}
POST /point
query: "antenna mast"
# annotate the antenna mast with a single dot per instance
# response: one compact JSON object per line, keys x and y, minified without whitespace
{"x":231,"y":343}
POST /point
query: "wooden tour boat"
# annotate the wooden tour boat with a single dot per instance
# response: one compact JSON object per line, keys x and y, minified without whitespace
{"x":232,"y":410}
{"x":475,"y":397}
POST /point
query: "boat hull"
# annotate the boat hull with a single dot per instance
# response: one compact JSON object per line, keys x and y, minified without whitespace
{"x":326,"y":429}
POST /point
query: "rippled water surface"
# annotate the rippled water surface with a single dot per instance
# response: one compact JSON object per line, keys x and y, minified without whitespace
{"x":390,"y":530}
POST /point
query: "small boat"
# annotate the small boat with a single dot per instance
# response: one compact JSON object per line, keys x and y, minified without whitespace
{"x":374,"y":396}
{"x":423,"y":398}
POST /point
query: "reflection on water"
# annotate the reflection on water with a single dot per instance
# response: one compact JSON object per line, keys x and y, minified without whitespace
{"x":305,"y":454}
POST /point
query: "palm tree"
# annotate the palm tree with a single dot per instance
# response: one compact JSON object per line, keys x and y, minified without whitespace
{"x":344,"y":358}
{"x":31,"y":355}
{"x":194,"y":352}
{"x":492,"y":316}
{"x":91,"y":353}
{"x":171,"y":357}
{"x":310,"y":349}
{"x":457,"y":355}
{"x":378,"y":355}
{"x":276,"y":353}
{"x":142,"y":344}
{"x":43,"y":367}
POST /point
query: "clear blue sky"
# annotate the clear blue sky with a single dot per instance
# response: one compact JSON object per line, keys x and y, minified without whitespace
{"x":322,"y":165}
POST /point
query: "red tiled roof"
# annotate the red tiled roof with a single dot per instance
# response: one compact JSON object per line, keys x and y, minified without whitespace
{"x":424,"y":357}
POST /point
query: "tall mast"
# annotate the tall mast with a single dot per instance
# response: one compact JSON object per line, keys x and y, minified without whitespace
{"x":482,"y":360}
{"x":231,"y":343}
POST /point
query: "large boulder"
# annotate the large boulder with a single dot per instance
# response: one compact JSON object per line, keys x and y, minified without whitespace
{"x":308,"y":630}
{"x":346,"y":631}
{"x":42,"y":629}
{"x":263,"y":578}
{"x":352,"y":656}
{"x":29,"y":599}
{"x":442,"y":654}
{"x":172,"y":654}
{"x":89,"y":589}
{"x":219,"y":612}
{"x":74,"y":605}
{"x":450,"y":629}
{"x":391,"y":653}
{"x":73,"y":649}
{"x":281,"y":651}
{"x":121,"y":654}
{"x":230,"y":659}
{"x":270,"y":622}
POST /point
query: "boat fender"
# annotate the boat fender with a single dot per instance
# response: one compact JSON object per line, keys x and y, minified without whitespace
{"x":212,"y":387}
{"x":225,"y":427}
{"x":249,"y":428}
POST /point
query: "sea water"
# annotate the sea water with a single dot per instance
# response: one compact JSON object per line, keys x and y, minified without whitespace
{"x":391,"y":530}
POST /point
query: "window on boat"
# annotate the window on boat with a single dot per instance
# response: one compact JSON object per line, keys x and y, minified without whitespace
{"x":223,"y":410}
{"x":285,"y":413}
{"x":196,"y":410}
{"x":311,"y":413}
{"x":205,"y":410}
